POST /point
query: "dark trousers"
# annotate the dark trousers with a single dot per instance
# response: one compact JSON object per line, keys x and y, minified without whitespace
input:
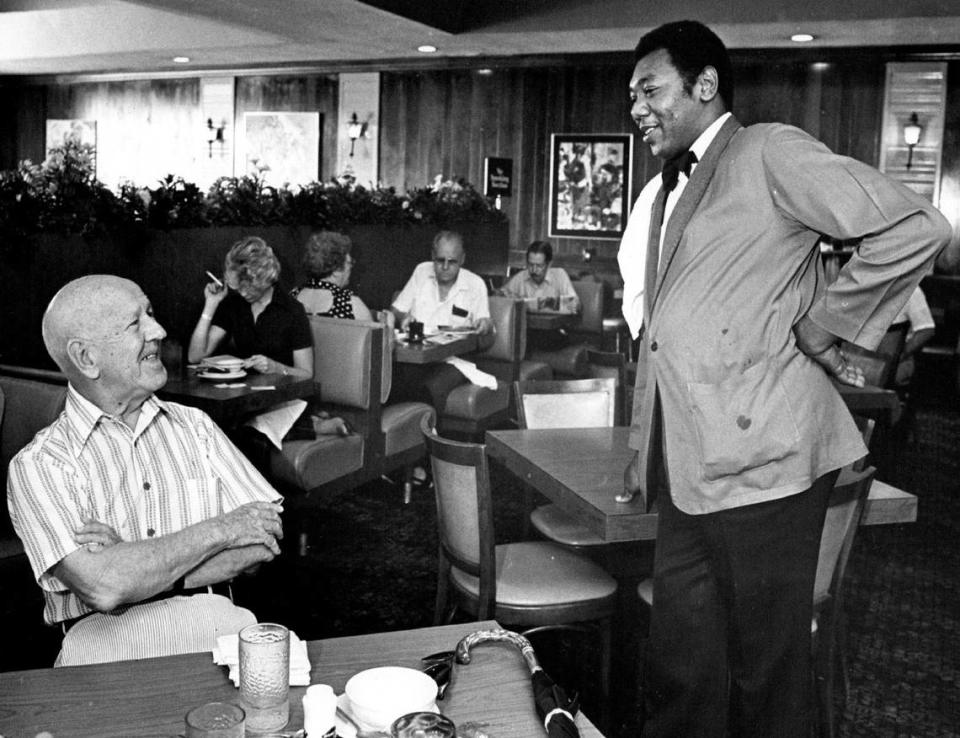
{"x":730,"y":628}
{"x":429,"y":383}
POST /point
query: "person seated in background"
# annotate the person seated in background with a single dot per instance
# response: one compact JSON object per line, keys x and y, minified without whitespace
{"x":549,"y":286}
{"x":440,"y":293}
{"x":328,"y":264}
{"x":917,"y":313}
{"x":268,"y":329}
{"x":128,"y":506}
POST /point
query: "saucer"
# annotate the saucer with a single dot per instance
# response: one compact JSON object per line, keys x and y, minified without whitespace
{"x":345,"y":729}
{"x":222,"y":376}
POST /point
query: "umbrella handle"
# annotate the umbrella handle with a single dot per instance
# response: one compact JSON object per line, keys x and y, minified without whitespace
{"x":499,"y":634}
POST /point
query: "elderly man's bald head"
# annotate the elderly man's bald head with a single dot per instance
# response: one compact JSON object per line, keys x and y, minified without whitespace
{"x":83,"y":308}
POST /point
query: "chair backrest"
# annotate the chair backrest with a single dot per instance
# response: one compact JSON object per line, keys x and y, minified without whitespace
{"x":605,"y":364}
{"x":591,"y":294}
{"x":347,"y":361}
{"x":575,"y":403}
{"x":880,"y":366}
{"x":461,"y":481}
{"x":509,"y":320}
{"x":389,"y":340}
{"x":27,"y":405}
{"x":839,"y":528}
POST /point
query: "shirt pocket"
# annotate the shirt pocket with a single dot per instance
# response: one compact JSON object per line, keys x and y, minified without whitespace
{"x":742,"y":423}
{"x":195,"y":500}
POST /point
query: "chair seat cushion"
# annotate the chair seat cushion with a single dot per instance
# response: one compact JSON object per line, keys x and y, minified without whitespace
{"x":532,"y":371}
{"x":570,"y":361}
{"x":400,"y":424}
{"x":555,"y":524}
{"x":311,"y":464}
{"x":536,"y":574}
{"x":472,"y":402}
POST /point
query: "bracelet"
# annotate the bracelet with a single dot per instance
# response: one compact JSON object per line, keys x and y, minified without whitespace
{"x":208,"y":316}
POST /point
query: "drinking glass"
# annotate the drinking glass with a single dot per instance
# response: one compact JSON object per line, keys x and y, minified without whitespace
{"x":265,"y":676}
{"x":215,"y":720}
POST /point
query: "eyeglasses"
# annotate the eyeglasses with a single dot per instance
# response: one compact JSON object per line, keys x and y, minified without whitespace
{"x":439,"y":667}
{"x":445,"y":263}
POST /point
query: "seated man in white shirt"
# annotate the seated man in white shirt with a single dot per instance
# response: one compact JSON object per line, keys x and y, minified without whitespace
{"x":132,"y":509}
{"x":440,"y":293}
{"x":549,"y":286}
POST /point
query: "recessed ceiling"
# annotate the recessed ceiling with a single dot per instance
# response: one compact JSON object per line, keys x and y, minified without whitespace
{"x":94,"y":36}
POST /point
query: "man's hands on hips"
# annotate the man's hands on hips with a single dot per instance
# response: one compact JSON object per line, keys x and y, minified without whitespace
{"x":821,"y":346}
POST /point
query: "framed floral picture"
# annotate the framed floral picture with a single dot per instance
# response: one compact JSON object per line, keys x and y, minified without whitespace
{"x":589,"y":184}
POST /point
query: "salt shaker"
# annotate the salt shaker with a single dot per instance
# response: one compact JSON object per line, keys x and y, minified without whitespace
{"x":320,"y":711}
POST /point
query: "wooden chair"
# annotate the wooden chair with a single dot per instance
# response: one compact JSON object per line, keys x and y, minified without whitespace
{"x":828,"y":630}
{"x":847,"y":499}
{"x":575,"y":403}
{"x":880,"y":366}
{"x":532,"y":583}
{"x":602,"y":364}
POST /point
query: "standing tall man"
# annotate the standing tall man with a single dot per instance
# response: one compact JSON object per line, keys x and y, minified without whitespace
{"x":738,"y":426}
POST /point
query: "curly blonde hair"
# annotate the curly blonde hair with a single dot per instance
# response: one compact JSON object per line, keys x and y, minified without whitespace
{"x":253,"y":262}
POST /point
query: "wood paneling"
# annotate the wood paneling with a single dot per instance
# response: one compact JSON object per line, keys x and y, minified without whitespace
{"x":446,"y":122}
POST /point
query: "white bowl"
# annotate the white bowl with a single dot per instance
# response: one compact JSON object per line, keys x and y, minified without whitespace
{"x":381,"y":695}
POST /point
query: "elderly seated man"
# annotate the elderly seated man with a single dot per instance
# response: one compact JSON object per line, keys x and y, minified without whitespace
{"x":130,"y":508}
{"x":439,"y":293}
{"x":549,"y":286}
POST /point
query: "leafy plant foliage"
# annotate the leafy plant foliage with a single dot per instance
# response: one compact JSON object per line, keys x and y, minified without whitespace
{"x":63,"y":195}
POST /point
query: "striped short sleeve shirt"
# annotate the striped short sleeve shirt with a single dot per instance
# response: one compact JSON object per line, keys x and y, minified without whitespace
{"x":175,"y":469}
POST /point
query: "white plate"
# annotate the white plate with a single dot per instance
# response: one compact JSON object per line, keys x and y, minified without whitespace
{"x":222,"y":376}
{"x":346,"y":729}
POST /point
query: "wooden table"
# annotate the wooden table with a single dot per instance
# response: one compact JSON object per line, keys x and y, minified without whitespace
{"x":430,"y":352}
{"x":581,"y":470}
{"x":549,"y":320}
{"x":150,"y":697}
{"x":229,"y":405}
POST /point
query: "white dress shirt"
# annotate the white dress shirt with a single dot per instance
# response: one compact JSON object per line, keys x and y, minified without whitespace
{"x":633,"y":246}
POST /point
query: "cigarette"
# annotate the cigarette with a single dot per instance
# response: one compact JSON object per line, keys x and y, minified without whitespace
{"x":215,"y":280}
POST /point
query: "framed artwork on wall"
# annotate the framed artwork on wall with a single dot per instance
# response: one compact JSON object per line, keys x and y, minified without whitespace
{"x":589,"y":184}
{"x":283,"y":147}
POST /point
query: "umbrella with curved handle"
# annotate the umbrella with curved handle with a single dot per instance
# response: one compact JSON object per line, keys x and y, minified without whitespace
{"x":556,"y":709}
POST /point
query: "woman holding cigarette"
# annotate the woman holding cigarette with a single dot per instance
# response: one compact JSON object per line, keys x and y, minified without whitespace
{"x":268,"y":328}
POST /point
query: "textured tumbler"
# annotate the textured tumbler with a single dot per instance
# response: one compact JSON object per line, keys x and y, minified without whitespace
{"x":215,"y":720}
{"x":265,"y":676}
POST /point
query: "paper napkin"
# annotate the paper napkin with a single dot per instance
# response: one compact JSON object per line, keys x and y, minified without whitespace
{"x":277,"y":421}
{"x":227,"y":653}
{"x":470,"y":371}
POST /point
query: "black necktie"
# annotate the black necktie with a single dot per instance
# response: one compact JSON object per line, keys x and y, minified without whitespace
{"x":671,"y":173}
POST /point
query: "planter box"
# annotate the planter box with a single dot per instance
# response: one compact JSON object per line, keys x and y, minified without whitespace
{"x":169,"y":266}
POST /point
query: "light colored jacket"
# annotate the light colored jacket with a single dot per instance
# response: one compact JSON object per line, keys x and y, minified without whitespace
{"x":747,"y":416}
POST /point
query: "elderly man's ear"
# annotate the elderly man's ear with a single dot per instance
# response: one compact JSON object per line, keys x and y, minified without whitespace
{"x":83,"y":358}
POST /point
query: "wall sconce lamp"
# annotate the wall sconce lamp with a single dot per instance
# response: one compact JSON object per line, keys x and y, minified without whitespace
{"x":355,"y":129}
{"x":911,"y":136}
{"x":215,"y":133}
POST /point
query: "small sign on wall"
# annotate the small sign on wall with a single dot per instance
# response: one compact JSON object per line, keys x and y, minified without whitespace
{"x":497,"y":177}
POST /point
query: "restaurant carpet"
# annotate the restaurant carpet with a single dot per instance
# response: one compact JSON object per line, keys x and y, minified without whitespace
{"x":371,"y":566}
